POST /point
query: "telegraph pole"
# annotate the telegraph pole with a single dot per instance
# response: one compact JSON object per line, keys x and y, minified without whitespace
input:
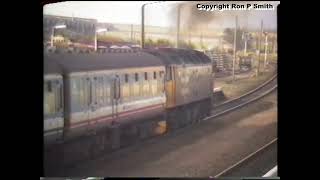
{"x":258,"y":70}
{"x":142,"y":26}
{"x":131,"y":33}
{"x":201,"y":43}
{"x":52,"y":36}
{"x":274,"y":45}
{"x":234,"y":48}
{"x":178,"y":26}
{"x":245,"y":37}
{"x":142,"y":21}
{"x":265,"y":51}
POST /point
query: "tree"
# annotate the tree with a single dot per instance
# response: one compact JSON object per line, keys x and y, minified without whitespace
{"x":185,"y":45}
{"x":250,"y":42}
{"x":228,"y":36}
{"x":163,"y":43}
{"x":109,"y":38}
{"x":273,"y":40}
{"x":149,"y":43}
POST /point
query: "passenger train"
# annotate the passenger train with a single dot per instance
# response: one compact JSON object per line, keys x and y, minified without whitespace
{"x":89,"y":93}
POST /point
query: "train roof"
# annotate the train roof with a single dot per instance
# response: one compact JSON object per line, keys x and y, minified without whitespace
{"x":180,"y":56}
{"x":79,"y":62}
{"x":51,"y":67}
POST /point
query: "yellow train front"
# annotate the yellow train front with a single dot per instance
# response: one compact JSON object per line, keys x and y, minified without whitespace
{"x":188,"y":85}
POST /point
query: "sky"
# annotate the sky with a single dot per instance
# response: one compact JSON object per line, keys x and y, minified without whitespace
{"x":129,"y":12}
{"x":123,"y":12}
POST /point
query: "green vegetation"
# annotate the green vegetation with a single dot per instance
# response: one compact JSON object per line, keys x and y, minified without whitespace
{"x":164,"y":42}
{"x":110,"y":38}
{"x":187,"y":45}
{"x":228,"y":35}
{"x":159,"y":43}
{"x":149,"y":42}
{"x":80,"y":38}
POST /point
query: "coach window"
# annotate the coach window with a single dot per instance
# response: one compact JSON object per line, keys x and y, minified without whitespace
{"x":159,"y":82}
{"x":145,"y":86}
{"x":161,"y":74}
{"x":136,"y":77}
{"x":169,"y":74}
{"x":77,"y":94}
{"x":136,"y":87}
{"x":126,"y":78}
{"x":145,"y":76}
{"x":107,"y":90}
{"x":100,"y":90}
{"x":85,"y":91}
{"x":154,"y":84}
{"x":154,"y":75}
{"x":125,"y":89}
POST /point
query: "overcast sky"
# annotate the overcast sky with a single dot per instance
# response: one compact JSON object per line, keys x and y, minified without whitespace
{"x":158,"y":14}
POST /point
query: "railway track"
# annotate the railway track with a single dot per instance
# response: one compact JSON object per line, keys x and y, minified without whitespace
{"x":248,"y":162}
{"x":249,"y":97}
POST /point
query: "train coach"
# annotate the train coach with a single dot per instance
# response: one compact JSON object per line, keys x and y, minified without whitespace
{"x":100,"y":90}
{"x":110,"y":98}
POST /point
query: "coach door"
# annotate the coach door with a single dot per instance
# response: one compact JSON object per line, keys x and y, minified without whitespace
{"x":81,"y":86}
{"x":115,"y":95}
{"x":93,"y":101}
{"x":170,"y":86}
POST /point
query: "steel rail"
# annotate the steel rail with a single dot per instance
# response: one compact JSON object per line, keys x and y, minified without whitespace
{"x":248,"y":93}
{"x":251,"y":155}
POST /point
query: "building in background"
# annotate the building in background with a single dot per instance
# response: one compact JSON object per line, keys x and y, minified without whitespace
{"x":78,"y":29}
